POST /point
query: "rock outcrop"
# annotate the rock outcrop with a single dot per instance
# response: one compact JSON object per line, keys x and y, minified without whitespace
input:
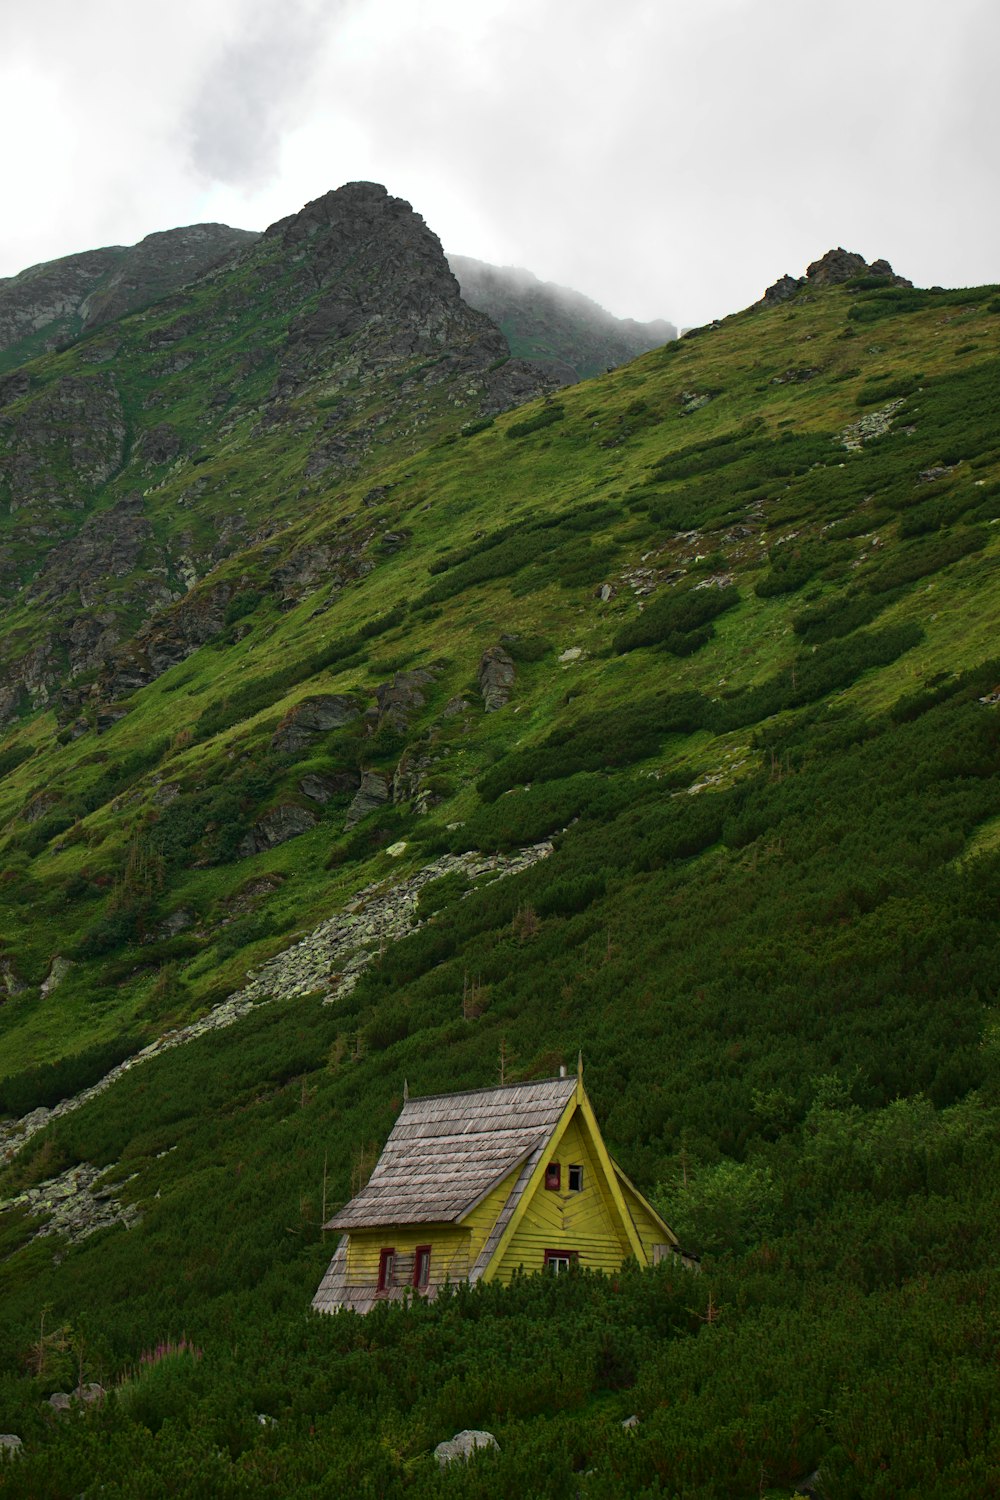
{"x":385,"y":289}
{"x":309,"y":720}
{"x":463,"y":1445}
{"x":496,"y":678}
{"x":287,"y":821}
{"x":374,"y":792}
{"x":832,"y":269}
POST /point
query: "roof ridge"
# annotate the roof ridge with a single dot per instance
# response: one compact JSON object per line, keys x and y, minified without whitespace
{"x":488,"y":1088}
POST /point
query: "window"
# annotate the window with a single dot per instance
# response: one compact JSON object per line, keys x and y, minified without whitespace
{"x":557,"y":1261}
{"x":422,"y":1266}
{"x":576,"y":1179}
{"x":553,"y":1177}
{"x":386,"y":1266}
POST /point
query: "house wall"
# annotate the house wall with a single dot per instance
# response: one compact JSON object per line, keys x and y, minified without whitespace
{"x":649,"y":1231}
{"x":450,"y":1258}
{"x":482,"y":1219}
{"x":586,"y":1222}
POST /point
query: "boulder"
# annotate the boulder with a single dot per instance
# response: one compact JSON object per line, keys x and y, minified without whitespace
{"x":60,"y":1401}
{"x":10,"y":1444}
{"x":321,"y":786}
{"x":399,"y":699}
{"x":463,"y":1445}
{"x":782,"y":290}
{"x":373,"y":792}
{"x":11,"y":983}
{"x":175,"y":922}
{"x":284,"y":822}
{"x":496,"y":678}
{"x":836,"y":266}
{"x":310,"y":719}
{"x":58,"y":970}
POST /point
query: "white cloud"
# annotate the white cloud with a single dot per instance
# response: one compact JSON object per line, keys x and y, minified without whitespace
{"x":666,"y":158}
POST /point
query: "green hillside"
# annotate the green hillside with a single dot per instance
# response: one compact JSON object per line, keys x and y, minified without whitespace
{"x":721,"y":629}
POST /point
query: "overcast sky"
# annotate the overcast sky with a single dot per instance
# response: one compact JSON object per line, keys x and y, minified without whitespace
{"x":670,"y":158}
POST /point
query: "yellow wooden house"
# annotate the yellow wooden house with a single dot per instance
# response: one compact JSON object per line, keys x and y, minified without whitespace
{"x":474,"y":1186}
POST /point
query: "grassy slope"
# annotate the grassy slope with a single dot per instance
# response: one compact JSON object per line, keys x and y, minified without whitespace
{"x":755,"y":973}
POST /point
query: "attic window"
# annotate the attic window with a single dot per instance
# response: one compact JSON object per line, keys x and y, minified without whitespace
{"x":421,"y":1266}
{"x":553,"y":1177}
{"x":557,"y":1261}
{"x":386,"y":1266}
{"x":576,"y":1179}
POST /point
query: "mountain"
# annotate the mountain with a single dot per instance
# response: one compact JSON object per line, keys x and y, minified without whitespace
{"x":364,"y":737}
{"x":561,"y":330}
{"x":57,"y":300}
{"x":123,"y":463}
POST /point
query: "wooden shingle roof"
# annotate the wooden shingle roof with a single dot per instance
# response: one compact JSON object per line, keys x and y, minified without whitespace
{"x":447,"y":1151}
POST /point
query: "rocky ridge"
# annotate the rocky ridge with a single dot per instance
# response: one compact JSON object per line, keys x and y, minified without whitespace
{"x":832,"y":269}
{"x":57,"y":299}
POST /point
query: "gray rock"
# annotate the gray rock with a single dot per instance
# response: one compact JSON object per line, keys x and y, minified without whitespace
{"x":311,"y":718}
{"x":496,"y":678}
{"x":40,"y":807}
{"x":401,"y":698}
{"x":10,"y":1444}
{"x":287,"y":821}
{"x":60,"y":1401}
{"x":11,"y":983}
{"x":782,"y":290}
{"x":836,"y":266}
{"x":374,"y":792}
{"x":463,"y":1445}
{"x":91,"y":1393}
{"x":926,"y":476}
{"x":58,"y":970}
{"x":322,"y":786}
{"x":159,"y":444}
{"x":176,"y":921}
{"x":631,"y":1424}
{"x":331,"y":958}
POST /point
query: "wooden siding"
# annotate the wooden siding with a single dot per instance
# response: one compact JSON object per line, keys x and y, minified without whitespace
{"x":450,"y":1259}
{"x":650,"y":1231}
{"x":587,"y":1221}
{"x":482,"y":1219}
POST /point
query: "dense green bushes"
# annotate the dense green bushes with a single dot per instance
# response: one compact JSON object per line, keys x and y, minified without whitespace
{"x":549,"y":414}
{"x":675,"y":619}
{"x":47,"y":1083}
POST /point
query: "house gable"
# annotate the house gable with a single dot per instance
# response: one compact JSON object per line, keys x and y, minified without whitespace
{"x":546,"y":1219}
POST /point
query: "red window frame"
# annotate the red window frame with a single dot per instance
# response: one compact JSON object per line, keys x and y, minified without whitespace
{"x":553,"y":1259}
{"x":553,"y":1177}
{"x":421,"y":1267}
{"x":386,"y":1266}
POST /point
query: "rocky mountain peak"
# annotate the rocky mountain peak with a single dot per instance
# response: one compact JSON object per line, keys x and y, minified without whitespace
{"x":385,"y":293}
{"x":832,"y":269}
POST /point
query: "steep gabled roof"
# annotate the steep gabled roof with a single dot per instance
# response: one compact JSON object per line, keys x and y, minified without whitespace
{"x":447,"y":1151}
